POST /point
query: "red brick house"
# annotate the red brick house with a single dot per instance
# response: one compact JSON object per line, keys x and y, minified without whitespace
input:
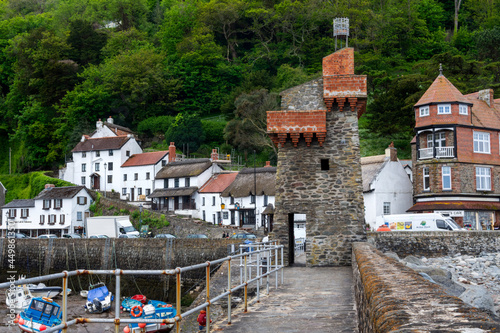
{"x":456,"y":155}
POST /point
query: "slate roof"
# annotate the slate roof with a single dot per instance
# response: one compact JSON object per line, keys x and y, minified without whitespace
{"x":187,"y":168}
{"x":370,"y":168}
{"x":218,"y":182}
{"x":173,"y":192}
{"x":441,"y":91}
{"x":145,"y":158}
{"x":60,"y":192}
{"x":91,"y":144}
{"x":20,"y":203}
{"x":244,"y":184}
{"x":117,"y":129}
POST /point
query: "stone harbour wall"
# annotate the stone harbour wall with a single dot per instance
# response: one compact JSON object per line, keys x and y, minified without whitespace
{"x":35,"y":257}
{"x":391,"y":297}
{"x":436,"y":243}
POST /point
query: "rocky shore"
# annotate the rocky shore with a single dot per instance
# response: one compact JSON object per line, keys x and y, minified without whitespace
{"x":474,"y":279}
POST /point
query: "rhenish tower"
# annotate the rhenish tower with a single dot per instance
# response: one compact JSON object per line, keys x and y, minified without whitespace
{"x":319,"y":169}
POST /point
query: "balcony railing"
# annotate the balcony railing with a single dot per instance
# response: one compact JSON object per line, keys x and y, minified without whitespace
{"x":438,"y":152}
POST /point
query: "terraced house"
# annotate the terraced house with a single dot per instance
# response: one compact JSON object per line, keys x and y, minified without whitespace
{"x":456,"y":155}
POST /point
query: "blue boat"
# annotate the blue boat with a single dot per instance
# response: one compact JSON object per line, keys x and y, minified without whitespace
{"x":152,"y":310}
{"x":128,"y":303}
{"x":99,"y":299}
{"x":42,"y":313}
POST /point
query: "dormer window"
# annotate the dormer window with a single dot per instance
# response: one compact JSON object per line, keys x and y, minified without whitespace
{"x":444,"y":108}
{"x":424,"y":111}
{"x":462,"y":109}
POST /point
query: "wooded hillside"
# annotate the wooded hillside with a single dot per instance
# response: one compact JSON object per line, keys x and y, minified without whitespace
{"x":162,"y":67}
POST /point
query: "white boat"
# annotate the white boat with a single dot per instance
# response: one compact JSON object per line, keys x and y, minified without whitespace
{"x":18,"y":298}
{"x":84,"y":293}
{"x":41,"y":290}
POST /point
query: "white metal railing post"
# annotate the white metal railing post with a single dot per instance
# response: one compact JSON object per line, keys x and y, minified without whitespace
{"x":178,"y":297}
{"x":229,"y":289}
{"x":117,"y":301}
{"x":246,"y":286}
{"x":268,"y":268}
{"x":282,"y":267}
{"x":241,"y":265}
{"x":258,"y":276}
{"x":276,"y":266}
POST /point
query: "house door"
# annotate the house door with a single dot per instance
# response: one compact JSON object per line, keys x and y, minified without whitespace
{"x":96,"y":182}
{"x":232,"y":217}
{"x":176,"y":203}
{"x":132,"y":194}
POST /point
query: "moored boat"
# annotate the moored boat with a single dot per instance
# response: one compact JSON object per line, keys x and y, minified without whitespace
{"x":99,"y":299}
{"x":152,"y":310}
{"x":42,"y":313}
{"x":18,"y":298}
{"x":128,"y":303}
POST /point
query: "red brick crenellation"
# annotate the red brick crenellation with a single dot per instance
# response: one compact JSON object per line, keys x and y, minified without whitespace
{"x":293,"y":124}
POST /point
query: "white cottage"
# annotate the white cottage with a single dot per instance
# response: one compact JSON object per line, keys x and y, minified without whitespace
{"x":56,"y":210}
{"x":387,"y":189}
{"x":177,"y":184}
{"x":210,"y":200}
{"x":249,"y":200}
{"x":138,"y":174}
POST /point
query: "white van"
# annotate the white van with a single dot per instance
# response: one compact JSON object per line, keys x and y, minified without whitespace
{"x":418,"y":222}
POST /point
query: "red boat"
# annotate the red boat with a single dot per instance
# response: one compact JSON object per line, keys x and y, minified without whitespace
{"x":140,"y":298}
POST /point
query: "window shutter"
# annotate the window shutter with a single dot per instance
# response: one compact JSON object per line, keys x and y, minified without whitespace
{"x":85,"y":201}
{"x":15,"y":212}
{"x":27,"y":212}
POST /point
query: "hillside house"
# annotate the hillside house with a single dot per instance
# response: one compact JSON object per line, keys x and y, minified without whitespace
{"x":138,"y":174}
{"x":456,"y":156}
{"x":55,"y":210}
{"x":387,"y":189}
{"x":210,"y":201}
{"x":247,"y":198}
{"x":177,"y":184}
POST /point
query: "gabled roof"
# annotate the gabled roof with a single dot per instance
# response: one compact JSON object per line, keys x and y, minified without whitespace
{"x":440,"y":91}
{"x":370,"y":168}
{"x":218,"y":182}
{"x":117,"y":129}
{"x":187,"y":168}
{"x":20,"y":203}
{"x":484,"y":115}
{"x":244,"y":184}
{"x":60,"y":192}
{"x":145,"y":158}
{"x":114,"y":142}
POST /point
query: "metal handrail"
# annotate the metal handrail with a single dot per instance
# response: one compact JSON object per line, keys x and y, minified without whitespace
{"x":271,"y":250}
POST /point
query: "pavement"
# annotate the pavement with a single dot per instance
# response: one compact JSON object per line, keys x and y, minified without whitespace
{"x":319,"y":299}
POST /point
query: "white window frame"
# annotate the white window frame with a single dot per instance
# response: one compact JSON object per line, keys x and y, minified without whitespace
{"x":426,"y":175}
{"x":446,"y":174}
{"x":79,"y":216}
{"x":424,"y":111}
{"x":62,"y":219}
{"x":42,"y":219}
{"x":83,"y":180}
{"x":25,"y":212}
{"x":463,"y":109}
{"x":84,"y":167}
{"x":387,"y":208}
{"x":124,"y":191}
{"x":444,"y":109}
{"x":430,"y":140}
{"x":97,"y":167}
{"x":483,"y":179}
{"x":481,"y":142}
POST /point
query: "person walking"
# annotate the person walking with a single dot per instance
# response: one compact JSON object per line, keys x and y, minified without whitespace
{"x":202,"y":320}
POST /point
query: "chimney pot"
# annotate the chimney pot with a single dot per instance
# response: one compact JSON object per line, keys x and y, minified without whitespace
{"x":268,"y":164}
{"x":49,"y":185}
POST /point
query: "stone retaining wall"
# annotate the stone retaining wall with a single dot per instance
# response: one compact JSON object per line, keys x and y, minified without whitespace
{"x":35,"y":257}
{"x":391,"y":297}
{"x":436,"y":244}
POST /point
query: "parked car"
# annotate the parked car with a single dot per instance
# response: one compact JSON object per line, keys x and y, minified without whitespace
{"x":127,"y":236}
{"x":47,"y":236}
{"x":71,"y":236}
{"x":196,"y":236}
{"x":165,"y":236}
{"x":98,"y":236}
{"x":243,"y":236}
{"x":20,"y":235}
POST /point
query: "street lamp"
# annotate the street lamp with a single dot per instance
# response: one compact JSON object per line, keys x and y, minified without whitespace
{"x":140,"y":218}
{"x":105,"y":180}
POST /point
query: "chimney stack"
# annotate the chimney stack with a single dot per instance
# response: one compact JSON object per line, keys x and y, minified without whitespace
{"x":268,"y":164}
{"x":110,"y":120}
{"x":49,"y":185}
{"x":486,"y":95}
{"x":392,"y":153}
{"x":171,"y":152}
{"x":214,"y":156}
{"x":98,"y":124}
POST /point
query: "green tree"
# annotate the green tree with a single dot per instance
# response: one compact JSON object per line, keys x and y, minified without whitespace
{"x":248,"y":129}
{"x":86,"y":43}
{"x":186,"y":130}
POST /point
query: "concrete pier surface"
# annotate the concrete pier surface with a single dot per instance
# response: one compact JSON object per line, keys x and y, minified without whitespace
{"x":317,"y":299}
